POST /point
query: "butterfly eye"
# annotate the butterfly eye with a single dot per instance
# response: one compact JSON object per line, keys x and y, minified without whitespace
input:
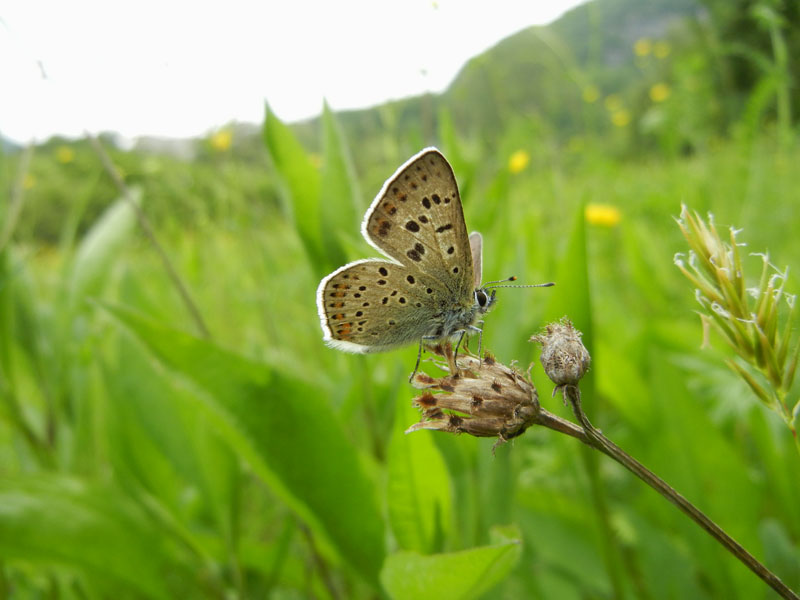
{"x":481,"y":298}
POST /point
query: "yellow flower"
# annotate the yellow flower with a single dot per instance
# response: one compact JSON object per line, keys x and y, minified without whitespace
{"x":613,"y":102}
{"x":518,"y":161}
{"x":662,"y":49}
{"x":65,"y":154}
{"x":659,"y":92}
{"x":621,"y":117}
{"x":643,"y":47}
{"x":221,"y":140}
{"x":591,"y":94}
{"x":28,"y":181}
{"x":604,"y":215}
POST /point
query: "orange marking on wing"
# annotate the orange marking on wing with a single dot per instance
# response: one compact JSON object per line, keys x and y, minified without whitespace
{"x":345,"y":331}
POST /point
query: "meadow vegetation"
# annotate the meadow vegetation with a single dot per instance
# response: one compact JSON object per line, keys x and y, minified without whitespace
{"x":150,"y":452}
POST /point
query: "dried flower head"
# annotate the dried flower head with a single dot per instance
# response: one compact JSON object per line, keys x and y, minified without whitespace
{"x":564,"y":357}
{"x":486,"y":399}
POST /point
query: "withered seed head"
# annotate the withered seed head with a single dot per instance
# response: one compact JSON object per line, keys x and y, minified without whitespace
{"x":564,"y":357}
{"x":487,"y":400}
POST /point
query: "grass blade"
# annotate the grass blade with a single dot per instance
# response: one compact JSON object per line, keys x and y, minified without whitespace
{"x":302,"y":185}
{"x":457,"y":575}
{"x":288,"y":434}
{"x":418,"y":491}
{"x":55,"y":521}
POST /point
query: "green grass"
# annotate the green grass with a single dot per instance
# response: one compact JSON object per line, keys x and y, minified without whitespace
{"x":138,"y":460}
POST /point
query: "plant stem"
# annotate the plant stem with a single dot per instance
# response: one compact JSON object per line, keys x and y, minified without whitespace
{"x":511,"y":412}
{"x":39,"y":446}
{"x":151,"y":236}
{"x":321,"y":565}
{"x":16,"y":198}
{"x":592,"y":437}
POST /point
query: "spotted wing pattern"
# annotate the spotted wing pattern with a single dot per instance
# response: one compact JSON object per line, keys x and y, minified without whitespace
{"x":374,"y":305}
{"x":417,"y":220}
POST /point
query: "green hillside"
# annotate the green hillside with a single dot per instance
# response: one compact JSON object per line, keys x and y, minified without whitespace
{"x":539,"y":72}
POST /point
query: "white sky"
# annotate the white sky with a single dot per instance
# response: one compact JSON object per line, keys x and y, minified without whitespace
{"x":180,"y":68}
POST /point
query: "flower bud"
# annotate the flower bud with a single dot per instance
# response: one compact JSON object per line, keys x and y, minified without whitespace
{"x":564,"y":357}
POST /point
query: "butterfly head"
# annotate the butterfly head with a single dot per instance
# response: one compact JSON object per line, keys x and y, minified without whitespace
{"x":485,"y":295}
{"x":485,"y":299}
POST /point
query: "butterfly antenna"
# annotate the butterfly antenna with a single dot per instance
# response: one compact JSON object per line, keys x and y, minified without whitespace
{"x":497,"y":284}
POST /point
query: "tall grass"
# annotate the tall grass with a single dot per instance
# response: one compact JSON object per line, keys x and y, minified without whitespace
{"x":138,"y":460}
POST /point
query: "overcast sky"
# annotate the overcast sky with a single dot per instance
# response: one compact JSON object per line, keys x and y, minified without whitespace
{"x":180,"y":68}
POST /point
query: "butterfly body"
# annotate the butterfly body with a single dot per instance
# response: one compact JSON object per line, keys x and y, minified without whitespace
{"x":429,"y":290}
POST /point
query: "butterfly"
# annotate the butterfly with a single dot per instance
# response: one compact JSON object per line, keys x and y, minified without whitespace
{"x":429,"y":289}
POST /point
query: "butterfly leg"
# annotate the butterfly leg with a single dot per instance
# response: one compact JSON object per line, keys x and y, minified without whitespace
{"x":480,"y":341}
{"x":419,"y":356}
{"x":451,"y":358}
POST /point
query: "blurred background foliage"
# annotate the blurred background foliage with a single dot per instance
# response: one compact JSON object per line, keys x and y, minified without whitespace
{"x":141,"y":458}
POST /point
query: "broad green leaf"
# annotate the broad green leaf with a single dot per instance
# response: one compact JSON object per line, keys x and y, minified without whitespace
{"x":301,"y":182}
{"x":288,"y":434}
{"x":101,"y":246}
{"x":455,"y":575}
{"x":159,"y":438}
{"x":54,"y":521}
{"x":339,"y":194}
{"x":418,"y":489}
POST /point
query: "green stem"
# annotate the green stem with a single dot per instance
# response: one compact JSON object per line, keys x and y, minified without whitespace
{"x":144,"y":223}
{"x":784,"y":105}
{"x":16,"y":197}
